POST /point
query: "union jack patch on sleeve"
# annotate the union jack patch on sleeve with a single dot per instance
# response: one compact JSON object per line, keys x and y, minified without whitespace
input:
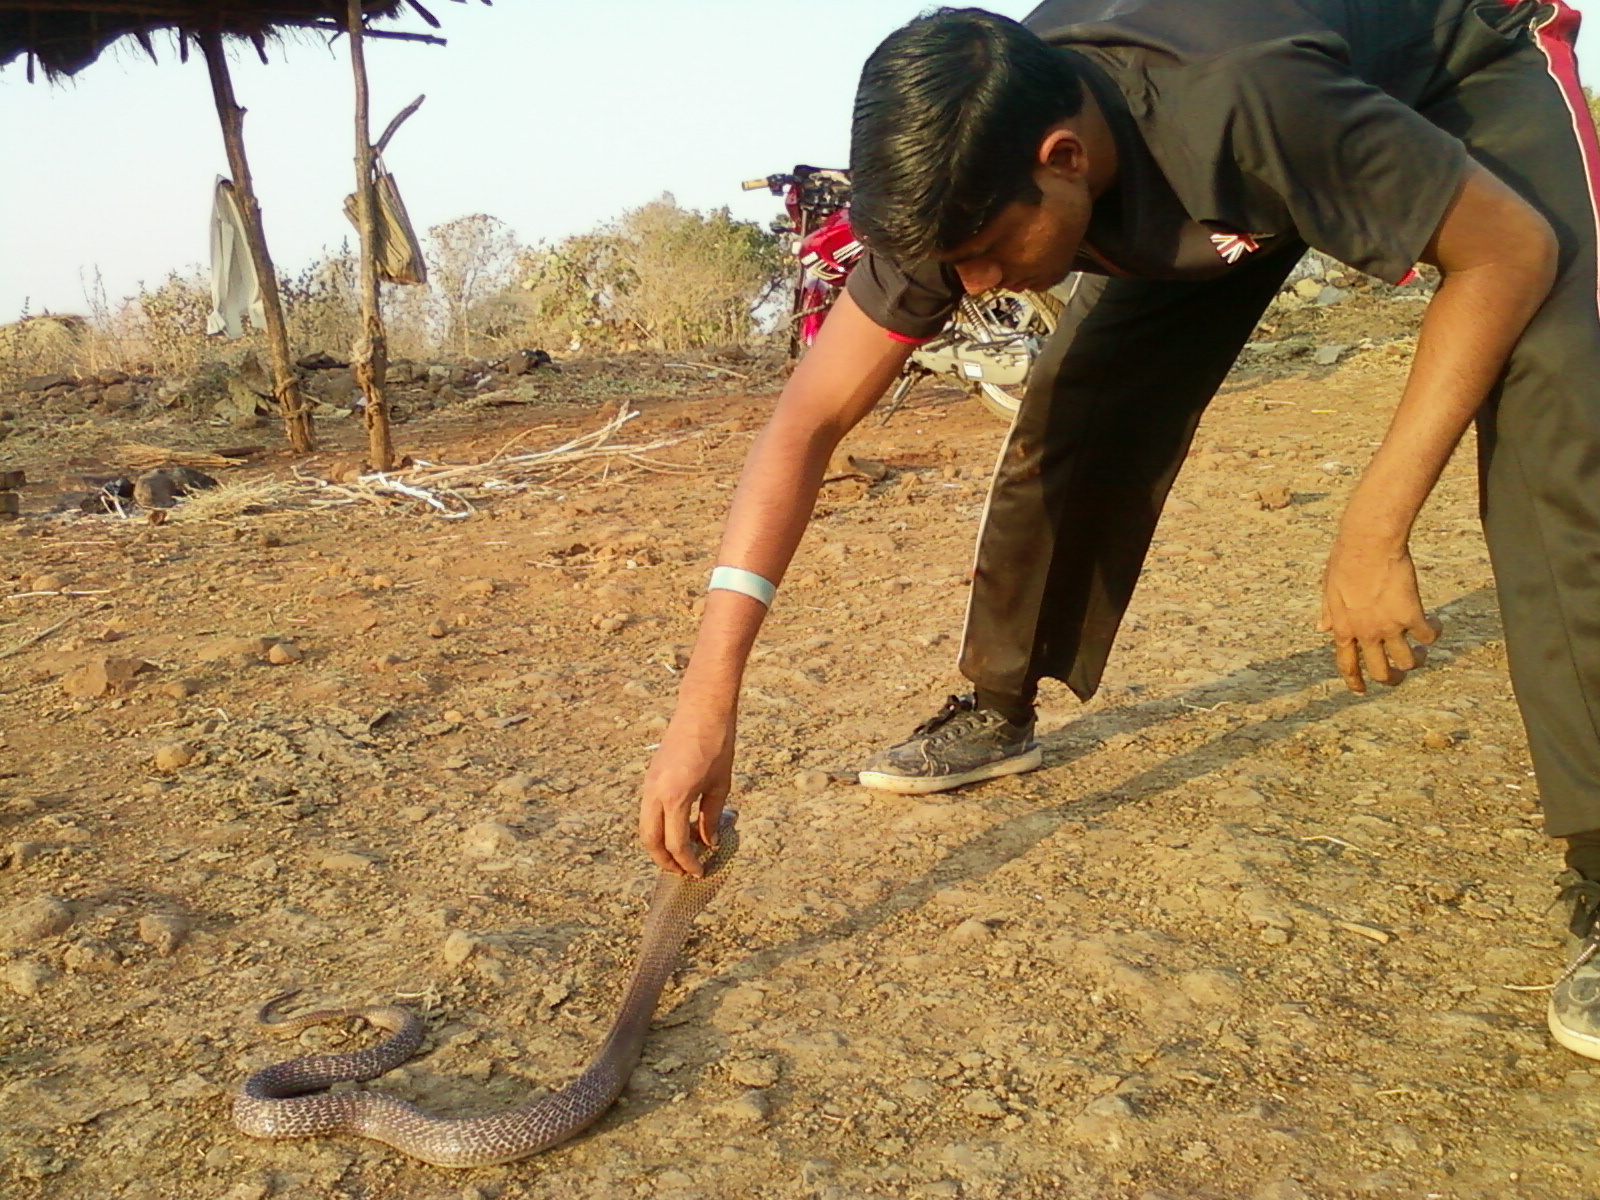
{"x":1234,"y":246}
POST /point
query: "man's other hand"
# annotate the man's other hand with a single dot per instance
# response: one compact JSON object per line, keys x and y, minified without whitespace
{"x":1371,"y":607}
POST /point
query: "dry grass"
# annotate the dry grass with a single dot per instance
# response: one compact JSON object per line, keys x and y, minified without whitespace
{"x":448,"y":491}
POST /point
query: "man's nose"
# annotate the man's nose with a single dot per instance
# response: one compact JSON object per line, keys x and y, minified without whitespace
{"x":978,"y":276}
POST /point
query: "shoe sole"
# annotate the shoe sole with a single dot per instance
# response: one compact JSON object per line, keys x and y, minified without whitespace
{"x":1578,"y":1043}
{"x":922,"y":785}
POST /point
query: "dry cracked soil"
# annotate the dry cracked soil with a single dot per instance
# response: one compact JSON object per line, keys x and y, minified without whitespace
{"x":1244,"y":937}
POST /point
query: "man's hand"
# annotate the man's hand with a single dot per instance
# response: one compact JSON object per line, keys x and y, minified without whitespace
{"x":1371,"y":606}
{"x":1497,"y":257}
{"x":692,"y":766}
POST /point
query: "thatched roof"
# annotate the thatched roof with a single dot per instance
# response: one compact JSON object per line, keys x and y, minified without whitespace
{"x":64,"y":36}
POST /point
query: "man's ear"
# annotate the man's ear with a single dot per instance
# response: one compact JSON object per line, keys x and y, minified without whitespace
{"x":1062,"y":153}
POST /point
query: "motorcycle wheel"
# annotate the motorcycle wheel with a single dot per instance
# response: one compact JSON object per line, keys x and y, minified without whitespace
{"x":996,"y":315}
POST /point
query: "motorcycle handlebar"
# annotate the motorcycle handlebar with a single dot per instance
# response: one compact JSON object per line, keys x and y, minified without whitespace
{"x":773,"y":183}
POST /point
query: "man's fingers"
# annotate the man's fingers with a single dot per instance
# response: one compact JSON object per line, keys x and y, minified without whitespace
{"x":1376,"y":662}
{"x":1348,"y":661}
{"x":651,"y":834}
{"x":1401,"y":653}
{"x":1433,"y":627}
{"x":710,"y":821}
{"x":680,"y":846}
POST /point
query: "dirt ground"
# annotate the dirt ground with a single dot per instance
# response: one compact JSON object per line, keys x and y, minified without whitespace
{"x":1245,"y":937}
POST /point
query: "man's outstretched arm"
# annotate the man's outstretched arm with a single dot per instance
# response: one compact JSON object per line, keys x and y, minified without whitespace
{"x":1497,"y":258}
{"x":836,"y":384}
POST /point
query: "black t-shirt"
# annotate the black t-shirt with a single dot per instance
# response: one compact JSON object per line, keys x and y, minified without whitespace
{"x":1242,"y":123}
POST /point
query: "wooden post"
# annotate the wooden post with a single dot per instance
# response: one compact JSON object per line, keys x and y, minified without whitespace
{"x":296,"y":412}
{"x":369,"y":360}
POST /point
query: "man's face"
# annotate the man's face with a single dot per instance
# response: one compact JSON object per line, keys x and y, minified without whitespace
{"x":1028,"y":246}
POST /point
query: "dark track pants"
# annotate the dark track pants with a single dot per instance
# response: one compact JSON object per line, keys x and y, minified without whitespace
{"x":1114,"y":402}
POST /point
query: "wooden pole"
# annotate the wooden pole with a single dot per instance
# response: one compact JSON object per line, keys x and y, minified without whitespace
{"x":369,"y":360}
{"x":296,"y":412}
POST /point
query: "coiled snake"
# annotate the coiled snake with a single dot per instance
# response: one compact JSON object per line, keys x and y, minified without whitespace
{"x":287,"y":1099}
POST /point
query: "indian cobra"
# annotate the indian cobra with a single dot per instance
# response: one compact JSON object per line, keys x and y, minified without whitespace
{"x":288,"y":1098}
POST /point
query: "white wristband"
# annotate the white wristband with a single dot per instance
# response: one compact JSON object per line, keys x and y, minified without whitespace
{"x":747,"y":583}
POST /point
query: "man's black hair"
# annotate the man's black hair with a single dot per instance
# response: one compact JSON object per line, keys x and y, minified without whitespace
{"x":950,"y":111}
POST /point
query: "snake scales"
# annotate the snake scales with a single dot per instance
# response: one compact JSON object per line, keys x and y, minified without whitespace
{"x":288,"y":1099}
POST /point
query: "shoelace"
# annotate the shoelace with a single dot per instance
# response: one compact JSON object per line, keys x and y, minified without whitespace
{"x":1584,"y":896}
{"x":954,"y":706}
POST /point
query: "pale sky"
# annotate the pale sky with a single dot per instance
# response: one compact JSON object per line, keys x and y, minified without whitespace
{"x":552,"y":116}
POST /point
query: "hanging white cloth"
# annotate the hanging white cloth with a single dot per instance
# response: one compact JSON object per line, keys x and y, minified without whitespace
{"x":235,"y":289}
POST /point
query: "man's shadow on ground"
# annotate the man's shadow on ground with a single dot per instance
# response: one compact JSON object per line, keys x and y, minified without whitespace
{"x":1470,"y":620}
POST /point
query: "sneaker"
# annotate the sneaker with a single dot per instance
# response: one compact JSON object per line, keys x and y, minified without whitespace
{"x":1574,"y":1010}
{"x":960,"y":744}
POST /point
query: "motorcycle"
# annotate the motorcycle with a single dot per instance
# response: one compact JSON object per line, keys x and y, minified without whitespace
{"x":989,"y":344}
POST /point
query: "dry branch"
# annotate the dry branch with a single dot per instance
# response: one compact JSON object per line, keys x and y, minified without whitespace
{"x":444,"y":488}
{"x":141,"y":456}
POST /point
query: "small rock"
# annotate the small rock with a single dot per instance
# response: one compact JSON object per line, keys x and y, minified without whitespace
{"x":383,"y":581}
{"x":46,"y":583}
{"x":238,"y":650}
{"x":752,"y":1108}
{"x":487,"y":839}
{"x":813,"y":780}
{"x":346,"y":860}
{"x":25,"y":977}
{"x":982,"y":1103}
{"x":164,"y":932}
{"x":91,"y":954}
{"x":459,"y":946}
{"x":180,"y":689}
{"x":283,"y":653}
{"x":156,"y":489}
{"x":516,"y":786}
{"x":971,"y":932}
{"x":117,"y":395}
{"x":1115,"y":1105}
{"x":23,"y":853}
{"x":1326,"y":356}
{"x":101,"y":677}
{"x":479,"y":587}
{"x":385,"y":662}
{"x":174,"y":756}
{"x":438,"y":629}
{"x":1371,"y":932}
{"x":1271,"y":498}
{"x":34,"y":920}
{"x":263,"y":869}
{"x":1437,"y":739}
{"x":760,"y":1072}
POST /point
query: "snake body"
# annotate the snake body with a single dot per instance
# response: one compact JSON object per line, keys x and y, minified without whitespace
{"x":288,"y":1099}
